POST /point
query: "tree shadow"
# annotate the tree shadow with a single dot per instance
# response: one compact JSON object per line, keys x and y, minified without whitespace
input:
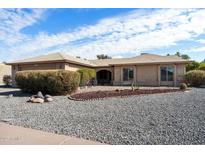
{"x":6,"y":91}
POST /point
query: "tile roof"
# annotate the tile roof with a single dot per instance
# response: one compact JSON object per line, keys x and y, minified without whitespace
{"x":59,"y":56}
{"x":141,"y":59}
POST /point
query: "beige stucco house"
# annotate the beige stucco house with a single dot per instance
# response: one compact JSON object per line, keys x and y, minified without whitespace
{"x":146,"y":69}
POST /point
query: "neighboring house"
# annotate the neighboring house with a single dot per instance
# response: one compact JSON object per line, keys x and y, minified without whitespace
{"x":4,"y":70}
{"x":146,"y":69}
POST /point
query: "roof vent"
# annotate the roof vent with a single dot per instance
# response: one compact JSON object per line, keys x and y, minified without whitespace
{"x":143,"y":53}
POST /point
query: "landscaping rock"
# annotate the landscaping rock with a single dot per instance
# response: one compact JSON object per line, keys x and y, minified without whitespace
{"x":10,"y":96}
{"x":48,"y":96}
{"x":40,"y":95}
{"x":37,"y":100}
{"x":166,"y":118}
{"x":48,"y":99}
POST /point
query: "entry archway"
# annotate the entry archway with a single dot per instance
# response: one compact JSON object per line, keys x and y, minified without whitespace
{"x":104,"y":77}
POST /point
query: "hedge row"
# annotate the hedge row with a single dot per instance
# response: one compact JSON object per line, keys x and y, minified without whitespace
{"x":86,"y":75}
{"x":56,"y":82}
{"x":195,"y":78}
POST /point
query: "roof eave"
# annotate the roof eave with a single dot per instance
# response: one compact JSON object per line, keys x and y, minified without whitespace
{"x":53,"y":61}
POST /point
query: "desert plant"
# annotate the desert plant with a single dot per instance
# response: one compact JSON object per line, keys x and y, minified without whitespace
{"x":86,"y":75}
{"x":183,"y":86}
{"x":57,"y":82}
{"x":134,"y":86}
{"x":117,"y":90}
{"x":7,"y":80}
{"x":195,"y":78}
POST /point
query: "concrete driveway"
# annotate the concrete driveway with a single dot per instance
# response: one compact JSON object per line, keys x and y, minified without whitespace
{"x":19,"y":135}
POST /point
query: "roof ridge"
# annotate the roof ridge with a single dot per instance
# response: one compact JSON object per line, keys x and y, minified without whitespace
{"x":62,"y":55}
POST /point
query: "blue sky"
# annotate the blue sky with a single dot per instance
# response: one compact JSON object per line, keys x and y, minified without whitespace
{"x":87,"y":32}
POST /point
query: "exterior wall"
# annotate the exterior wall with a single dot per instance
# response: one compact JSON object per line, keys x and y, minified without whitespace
{"x":180,"y":71}
{"x":117,"y":76}
{"x":72,"y":67}
{"x":41,"y":66}
{"x":144,"y":75}
{"x":4,"y":70}
{"x":167,"y":83}
{"x":26,"y":67}
{"x":147,"y":75}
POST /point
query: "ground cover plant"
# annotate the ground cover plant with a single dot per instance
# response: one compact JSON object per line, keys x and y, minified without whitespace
{"x":119,"y":93}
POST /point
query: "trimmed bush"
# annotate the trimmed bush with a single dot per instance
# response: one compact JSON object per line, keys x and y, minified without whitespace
{"x":7,"y":80}
{"x":55,"y":82}
{"x":183,"y":86}
{"x":202,"y":66}
{"x":86,"y":75}
{"x":195,"y":78}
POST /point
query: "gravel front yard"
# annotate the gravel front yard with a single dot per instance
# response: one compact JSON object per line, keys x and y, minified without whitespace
{"x":170,"y":118}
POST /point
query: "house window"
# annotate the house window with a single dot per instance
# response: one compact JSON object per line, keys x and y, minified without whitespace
{"x":167,"y":73}
{"x":60,"y":66}
{"x":128,"y":74}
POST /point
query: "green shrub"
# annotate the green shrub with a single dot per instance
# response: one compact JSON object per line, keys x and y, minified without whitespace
{"x":192,"y":66}
{"x":86,"y":75}
{"x":183,"y":86}
{"x":7,"y":80}
{"x":202,"y":66}
{"x":195,"y":77}
{"x":56,"y":82}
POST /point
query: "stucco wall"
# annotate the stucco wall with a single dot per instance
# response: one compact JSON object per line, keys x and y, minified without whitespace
{"x":4,"y":70}
{"x":26,"y":67}
{"x":147,"y":75}
{"x":117,"y":76}
{"x":40,"y":66}
{"x":180,"y":71}
{"x":71,"y":67}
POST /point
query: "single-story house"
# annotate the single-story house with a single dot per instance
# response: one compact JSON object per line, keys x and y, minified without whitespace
{"x":146,"y":69}
{"x":4,"y":70}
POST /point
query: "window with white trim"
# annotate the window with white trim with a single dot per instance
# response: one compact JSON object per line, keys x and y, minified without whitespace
{"x":128,"y":74}
{"x":167,"y":73}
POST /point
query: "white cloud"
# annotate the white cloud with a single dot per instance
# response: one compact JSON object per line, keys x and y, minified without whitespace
{"x":196,"y":49}
{"x":201,"y":41}
{"x":129,"y":33}
{"x":12,"y":21}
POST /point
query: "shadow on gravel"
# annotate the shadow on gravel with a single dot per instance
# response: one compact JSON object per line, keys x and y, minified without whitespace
{"x":7,"y":91}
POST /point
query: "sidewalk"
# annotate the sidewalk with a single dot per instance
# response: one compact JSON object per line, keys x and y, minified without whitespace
{"x":19,"y":135}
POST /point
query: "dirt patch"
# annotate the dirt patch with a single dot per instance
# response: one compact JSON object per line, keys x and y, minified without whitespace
{"x":118,"y":93}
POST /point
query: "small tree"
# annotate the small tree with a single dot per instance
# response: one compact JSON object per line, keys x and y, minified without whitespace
{"x":102,"y":56}
{"x":178,"y":54}
{"x":184,"y":56}
{"x":192,"y":66}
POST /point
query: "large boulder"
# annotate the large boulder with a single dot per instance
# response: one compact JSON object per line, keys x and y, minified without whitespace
{"x":48,"y":99}
{"x":40,"y":95}
{"x":48,"y":96}
{"x":37,"y":100}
